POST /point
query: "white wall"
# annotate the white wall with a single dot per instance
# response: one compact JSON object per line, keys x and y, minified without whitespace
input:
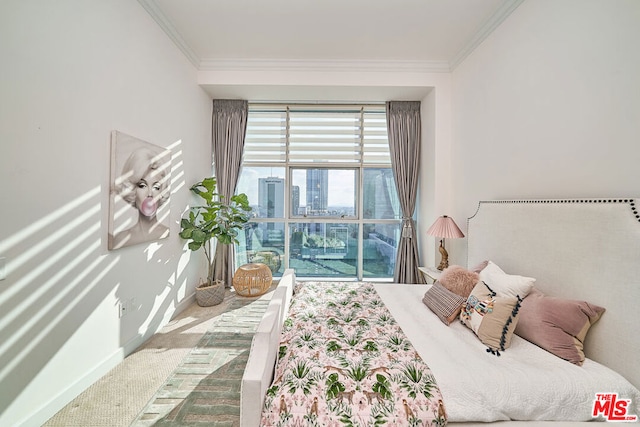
{"x":548,"y":106}
{"x":434,"y":183}
{"x":73,"y":71}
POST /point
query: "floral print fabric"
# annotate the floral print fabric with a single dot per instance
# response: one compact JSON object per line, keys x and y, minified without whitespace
{"x":344,"y":361}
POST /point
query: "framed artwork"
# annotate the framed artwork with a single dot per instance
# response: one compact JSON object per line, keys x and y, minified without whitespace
{"x":139,"y":191}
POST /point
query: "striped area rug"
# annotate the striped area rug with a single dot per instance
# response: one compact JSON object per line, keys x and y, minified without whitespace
{"x":205,"y":388}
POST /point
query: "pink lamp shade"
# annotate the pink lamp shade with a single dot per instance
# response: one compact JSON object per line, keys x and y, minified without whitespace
{"x":445,"y":227}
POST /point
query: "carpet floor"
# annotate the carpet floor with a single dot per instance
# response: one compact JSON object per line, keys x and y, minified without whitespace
{"x":188,"y":374}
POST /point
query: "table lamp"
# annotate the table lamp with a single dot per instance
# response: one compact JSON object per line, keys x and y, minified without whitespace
{"x":445,"y":228}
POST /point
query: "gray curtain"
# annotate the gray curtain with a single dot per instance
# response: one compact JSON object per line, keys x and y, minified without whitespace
{"x":404,"y":129}
{"x":229,"y":127}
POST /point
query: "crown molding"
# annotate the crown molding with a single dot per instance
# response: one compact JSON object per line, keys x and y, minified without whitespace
{"x":504,"y":10}
{"x":170,"y":30}
{"x":385,"y":66}
{"x":371,"y":66}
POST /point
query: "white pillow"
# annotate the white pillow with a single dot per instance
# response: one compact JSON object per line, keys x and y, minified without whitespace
{"x":506,"y":285}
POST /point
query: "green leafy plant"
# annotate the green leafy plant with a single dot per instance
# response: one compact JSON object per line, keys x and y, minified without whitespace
{"x":333,"y":346}
{"x":415,"y":382}
{"x":216,"y":218}
{"x":334,"y":386}
{"x":382,"y":386}
{"x":370,"y":346}
{"x":301,"y":378}
{"x":357,"y":373}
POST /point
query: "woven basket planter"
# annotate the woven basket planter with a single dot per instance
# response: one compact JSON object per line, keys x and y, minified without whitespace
{"x":252,"y":280}
{"x":208,"y":295}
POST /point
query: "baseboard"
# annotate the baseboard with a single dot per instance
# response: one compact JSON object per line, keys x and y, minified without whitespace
{"x":49,"y":409}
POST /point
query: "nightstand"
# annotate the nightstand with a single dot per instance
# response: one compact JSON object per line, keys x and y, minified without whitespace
{"x":430,"y":273}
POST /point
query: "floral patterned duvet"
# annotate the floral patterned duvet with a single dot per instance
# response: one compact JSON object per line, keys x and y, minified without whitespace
{"x":345,"y":362}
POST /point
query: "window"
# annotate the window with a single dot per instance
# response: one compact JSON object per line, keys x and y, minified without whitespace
{"x":323,"y":194}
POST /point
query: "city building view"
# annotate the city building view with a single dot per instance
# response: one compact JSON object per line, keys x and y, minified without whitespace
{"x":331,"y":230}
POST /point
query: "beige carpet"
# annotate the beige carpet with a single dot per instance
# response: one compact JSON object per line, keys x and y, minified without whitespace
{"x":117,"y":398}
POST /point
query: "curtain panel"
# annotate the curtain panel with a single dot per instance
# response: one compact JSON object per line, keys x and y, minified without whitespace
{"x":404,"y":133}
{"x":229,"y":127}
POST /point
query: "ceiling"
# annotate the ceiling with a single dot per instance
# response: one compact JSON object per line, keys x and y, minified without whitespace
{"x":407,"y":35}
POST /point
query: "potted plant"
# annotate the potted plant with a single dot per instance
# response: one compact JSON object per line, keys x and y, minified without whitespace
{"x":219,"y":219}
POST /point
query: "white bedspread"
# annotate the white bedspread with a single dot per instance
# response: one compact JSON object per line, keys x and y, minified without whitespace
{"x":524,"y":383}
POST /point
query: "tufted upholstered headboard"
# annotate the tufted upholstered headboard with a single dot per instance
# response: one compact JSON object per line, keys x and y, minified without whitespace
{"x":585,"y":249}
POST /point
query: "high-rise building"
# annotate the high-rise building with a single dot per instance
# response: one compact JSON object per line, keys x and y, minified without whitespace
{"x":295,"y":200}
{"x":317,"y":191}
{"x":271,"y":197}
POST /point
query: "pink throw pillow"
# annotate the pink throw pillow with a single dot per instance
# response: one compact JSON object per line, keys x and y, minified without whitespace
{"x":557,"y":325}
{"x":458,"y":280}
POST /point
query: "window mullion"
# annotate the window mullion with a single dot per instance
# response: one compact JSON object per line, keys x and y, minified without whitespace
{"x":360,"y":263}
{"x":287,"y":216}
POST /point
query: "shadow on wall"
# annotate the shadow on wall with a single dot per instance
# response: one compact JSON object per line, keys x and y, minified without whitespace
{"x":60,"y":274}
{"x":148,"y":311}
{"x":59,"y":270}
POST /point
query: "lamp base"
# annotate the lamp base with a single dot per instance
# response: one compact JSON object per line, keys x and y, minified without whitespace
{"x":444,"y":261}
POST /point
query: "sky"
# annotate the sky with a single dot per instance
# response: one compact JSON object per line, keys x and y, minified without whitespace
{"x":341,"y":184}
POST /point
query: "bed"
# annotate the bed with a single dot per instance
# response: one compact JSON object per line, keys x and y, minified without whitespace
{"x":579,"y":250}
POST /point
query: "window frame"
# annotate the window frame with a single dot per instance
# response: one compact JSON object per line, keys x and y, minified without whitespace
{"x":358,"y":218}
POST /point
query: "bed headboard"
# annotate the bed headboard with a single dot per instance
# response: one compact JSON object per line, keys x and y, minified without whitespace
{"x":585,"y":249}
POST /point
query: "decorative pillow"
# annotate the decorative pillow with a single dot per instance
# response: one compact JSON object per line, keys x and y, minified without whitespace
{"x":493,"y":318}
{"x":557,"y":325}
{"x":478,"y":268}
{"x":507,"y":285}
{"x":444,"y":303}
{"x":458,"y":280}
